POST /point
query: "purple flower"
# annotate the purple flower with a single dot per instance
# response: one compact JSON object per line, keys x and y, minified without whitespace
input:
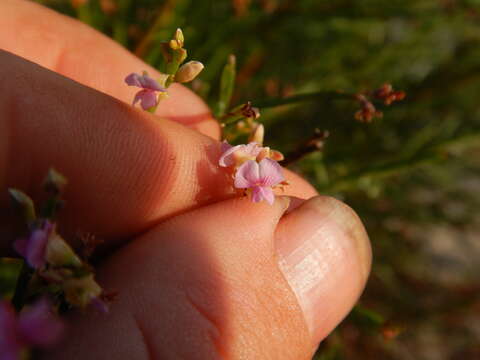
{"x":237,"y":155}
{"x":34,"y":248}
{"x":259,"y":178}
{"x":148,"y":95}
{"x":36,"y":326}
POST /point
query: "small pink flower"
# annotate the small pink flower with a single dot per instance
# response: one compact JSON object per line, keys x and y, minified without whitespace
{"x":34,"y":248}
{"x":259,"y":178}
{"x":148,"y":95}
{"x":237,"y":155}
{"x":36,"y":326}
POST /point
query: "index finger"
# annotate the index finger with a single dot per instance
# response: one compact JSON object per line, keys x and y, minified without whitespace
{"x":127,"y":170}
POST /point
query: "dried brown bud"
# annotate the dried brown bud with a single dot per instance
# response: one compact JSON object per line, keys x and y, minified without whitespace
{"x":249,"y":111}
{"x":388,"y":95}
{"x":367,"y":111}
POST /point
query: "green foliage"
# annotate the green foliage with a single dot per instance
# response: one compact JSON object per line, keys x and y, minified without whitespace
{"x":9,"y":272}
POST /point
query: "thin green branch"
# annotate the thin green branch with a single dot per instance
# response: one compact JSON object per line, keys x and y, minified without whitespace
{"x":324,"y":95}
{"x":428,"y":155}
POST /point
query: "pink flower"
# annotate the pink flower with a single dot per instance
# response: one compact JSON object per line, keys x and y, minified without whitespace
{"x":259,"y":178}
{"x":36,"y":326}
{"x":148,"y":95}
{"x":34,"y":248}
{"x":237,"y":155}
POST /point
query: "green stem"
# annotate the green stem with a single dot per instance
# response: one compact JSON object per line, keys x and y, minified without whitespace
{"x":429,"y":155}
{"x":227,"y":85}
{"x":22,"y":286}
{"x":328,"y":95}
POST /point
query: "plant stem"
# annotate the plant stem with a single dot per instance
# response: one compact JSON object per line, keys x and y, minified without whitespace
{"x":329,"y":95}
{"x":21,"y":288}
{"x":312,"y":144}
{"x":428,"y":155}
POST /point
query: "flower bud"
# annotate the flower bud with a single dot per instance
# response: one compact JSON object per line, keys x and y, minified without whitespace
{"x":188,"y":71}
{"x":276,"y":155}
{"x":25,"y":203}
{"x":54,"y":182}
{"x":59,"y":253}
{"x":178,"y":40}
{"x":257,"y":134}
{"x":179,"y":37}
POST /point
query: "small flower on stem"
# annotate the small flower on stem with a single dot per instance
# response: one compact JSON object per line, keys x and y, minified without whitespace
{"x":36,"y":326}
{"x":237,"y":155}
{"x":259,"y":179}
{"x":148,"y":95}
{"x":44,"y":246}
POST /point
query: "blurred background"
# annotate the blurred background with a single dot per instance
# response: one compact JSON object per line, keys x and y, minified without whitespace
{"x":413,"y":175}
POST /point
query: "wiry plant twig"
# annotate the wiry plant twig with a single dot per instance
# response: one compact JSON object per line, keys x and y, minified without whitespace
{"x":314,"y":143}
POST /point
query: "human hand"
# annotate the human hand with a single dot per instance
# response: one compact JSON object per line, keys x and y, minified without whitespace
{"x":200,"y":274}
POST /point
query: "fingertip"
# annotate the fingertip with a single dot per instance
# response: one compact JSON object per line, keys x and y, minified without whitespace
{"x":298,"y":187}
{"x":325,"y":255}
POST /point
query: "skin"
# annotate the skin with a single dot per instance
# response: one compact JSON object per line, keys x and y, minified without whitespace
{"x":201,"y":273}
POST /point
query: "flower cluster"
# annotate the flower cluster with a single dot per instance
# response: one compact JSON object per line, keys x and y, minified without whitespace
{"x":55,"y":267}
{"x":36,"y":326}
{"x":153,"y":91}
{"x":256,"y":168}
{"x":368,"y":111}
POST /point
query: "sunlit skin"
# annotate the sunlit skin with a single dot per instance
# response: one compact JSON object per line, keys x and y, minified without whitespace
{"x":201,"y":273}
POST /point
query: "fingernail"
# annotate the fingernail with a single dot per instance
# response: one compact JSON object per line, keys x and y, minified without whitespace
{"x":325,"y":256}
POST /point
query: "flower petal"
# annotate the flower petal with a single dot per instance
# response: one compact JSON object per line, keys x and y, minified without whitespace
{"x":39,"y":326}
{"x":252,"y":149}
{"x":248,"y":175}
{"x":224,"y":146}
{"x":148,"y":99}
{"x":270,"y":172}
{"x":133,"y":80}
{"x":37,"y":248}
{"x":236,"y":155}
{"x":260,"y":193}
{"x":149,"y":83}
{"x":227,"y":158}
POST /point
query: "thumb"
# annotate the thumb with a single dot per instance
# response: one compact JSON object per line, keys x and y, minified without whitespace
{"x":228,"y":281}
